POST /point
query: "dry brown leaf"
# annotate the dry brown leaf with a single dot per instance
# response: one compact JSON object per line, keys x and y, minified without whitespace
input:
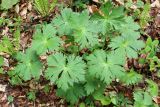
{"x":23,"y":13}
{"x":156,"y":3}
{"x":17,"y":8}
{"x":97,"y":1}
{"x":134,"y":7}
{"x":157,"y":20}
{"x":93,"y":9}
{"x":5,"y":31}
{"x":3,"y":88}
{"x":6,"y":62}
{"x":121,"y":2}
{"x":156,"y":100}
{"x":29,"y":6}
{"x":43,"y":57}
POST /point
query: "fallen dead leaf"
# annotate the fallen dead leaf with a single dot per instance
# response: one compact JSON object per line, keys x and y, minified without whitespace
{"x":17,"y":8}
{"x":5,"y":31}
{"x":43,"y":57}
{"x":29,"y":6}
{"x":3,"y":88}
{"x":156,"y":3}
{"x":156,"y":100}
{"x":157,"y":20}
{"x":93,"y":9}
{"x":97,"y":1}
{"x":6,"y":62}
{"x":23,"y":13}
{"x":121,"y":2}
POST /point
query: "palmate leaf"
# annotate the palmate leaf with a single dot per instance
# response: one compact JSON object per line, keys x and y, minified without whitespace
{"x":127,"y":45}
{"x":29,"y":66}
{"x":86,"y":32}
{"x":73,"y":94}
{"x":64,"y":22}
{"x":152,"y":88}
{"x":131,"y":78}
{"x":142,"y":99}
{"x":99,"y":96}
{"x":129,"y":28}
{"x":104,"y":66}
{"x":92,"y":84}
{"x":46,"y":40}
{"x":65,"y":71}
{"x":109,"y":17}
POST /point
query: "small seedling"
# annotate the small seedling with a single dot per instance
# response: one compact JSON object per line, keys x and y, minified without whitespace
{"x":10,"y":99}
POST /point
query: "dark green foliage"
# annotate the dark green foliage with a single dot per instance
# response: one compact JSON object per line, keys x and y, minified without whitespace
{"x":28,"y":67}
{"x":100,"y":64}
{"x":46,"y":40}
{"x":65,"y":70}
{"x":7,"y":4}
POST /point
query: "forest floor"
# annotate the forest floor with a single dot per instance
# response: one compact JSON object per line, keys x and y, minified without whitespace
{"x":30,"y":18}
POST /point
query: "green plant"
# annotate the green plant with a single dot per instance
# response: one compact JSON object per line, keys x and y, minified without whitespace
{"x":109,"y":17}
{"x":137,"y":4}
{"x":80,"y":4}
{"x":105,"y":100}
{"x":106,"y":65}
{"x":11,"y":45}
{"x":3,"y":21}
{"x":6,"y":45}
{"x":150,"y":51}
{"x":68,"y":23}
{"x":1,"y":64}
{"x":79,"y":74}
{"x":45,"y":40}
{"x":7,"y":4}
{"x":46,"y":89}
{"x":31,"y":95}
{"x":140,"y":11}
{"x":145,"y":16}
{"x":119,"y":100}
{"x":29,"y":66}
{"x":145,"y":97}
{"x":132,"y":78}
{"x":10,"y":98}
{"x":67,"y":70}
{"x":142,"y":99}
{"x":45,"y":7}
